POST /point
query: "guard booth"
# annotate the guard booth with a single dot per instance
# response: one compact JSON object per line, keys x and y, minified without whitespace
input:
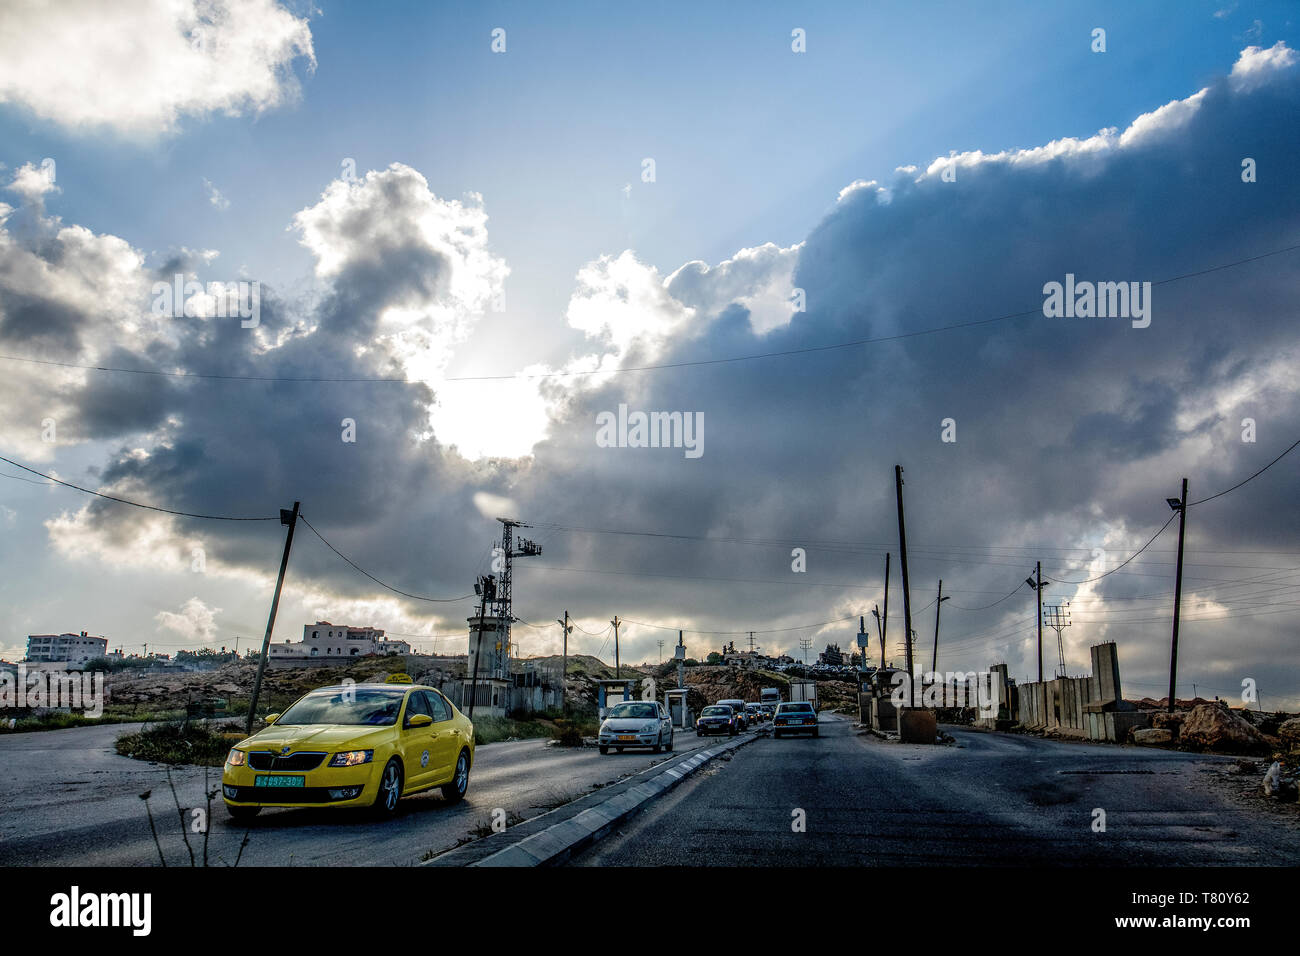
{"x":611,"y":692}
{"x":876,"y":705}
{"x":677,"y":710}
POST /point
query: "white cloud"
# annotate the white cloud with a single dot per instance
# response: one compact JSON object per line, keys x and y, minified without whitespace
{"x":494,"y":506}
{"x":31,"y":182}
{"x":1255,"y":65}
{"x":214,"y":195}
{"x":196,"y":621}
{"x":137,"y":68}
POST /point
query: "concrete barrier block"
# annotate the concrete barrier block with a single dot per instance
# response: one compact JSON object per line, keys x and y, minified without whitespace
{"x":917,"y":725}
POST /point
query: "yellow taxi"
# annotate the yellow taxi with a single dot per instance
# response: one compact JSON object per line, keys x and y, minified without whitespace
{"x":352,"y":745}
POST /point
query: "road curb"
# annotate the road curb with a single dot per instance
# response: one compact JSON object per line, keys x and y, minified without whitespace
{"x":559,"y":841}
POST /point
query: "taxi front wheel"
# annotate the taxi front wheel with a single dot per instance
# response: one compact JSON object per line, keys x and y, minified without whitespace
{"x":390,"y":790}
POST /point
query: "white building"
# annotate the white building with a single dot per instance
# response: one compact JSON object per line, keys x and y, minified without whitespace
{"x":324,"y":639}
{"x":65,"y":648}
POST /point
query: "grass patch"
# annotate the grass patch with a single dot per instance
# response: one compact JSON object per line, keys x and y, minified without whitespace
{"x":61,"y":720}
{"x":177,"y":742}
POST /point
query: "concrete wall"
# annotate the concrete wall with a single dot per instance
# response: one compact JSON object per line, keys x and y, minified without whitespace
{"x":1078,"y":706}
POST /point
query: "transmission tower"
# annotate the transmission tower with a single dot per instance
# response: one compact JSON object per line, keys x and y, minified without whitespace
{"x":1057,"y":617}
{"x":661,"y":652}
{"x":805,"y":643}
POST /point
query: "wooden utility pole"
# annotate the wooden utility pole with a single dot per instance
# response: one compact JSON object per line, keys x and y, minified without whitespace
{"x":934,"y":660}
{"x":1038,"y":590}
{"x":884,"y":619}
{"x":617,"y":671}
{"x":289,"y":518}
{"x":1178,"y":593}
{"x":564,"y":665}
{"x":907,"y":597}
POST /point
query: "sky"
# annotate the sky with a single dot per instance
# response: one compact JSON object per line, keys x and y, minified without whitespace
{"x":822,"y":233}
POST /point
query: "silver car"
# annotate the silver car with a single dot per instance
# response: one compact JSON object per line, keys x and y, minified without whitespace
{"x":637,"y":723}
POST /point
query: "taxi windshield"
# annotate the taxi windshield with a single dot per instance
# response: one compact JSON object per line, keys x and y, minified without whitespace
{"x":374,"y":706}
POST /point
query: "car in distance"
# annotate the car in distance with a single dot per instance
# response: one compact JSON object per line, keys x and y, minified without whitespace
{"x":717,"y":719}
{"x":636,"y":723}
{"x":739,"y":707}
{"x":754,"y":713}
{"x":356,"y":745}
{"x":794,"y":717}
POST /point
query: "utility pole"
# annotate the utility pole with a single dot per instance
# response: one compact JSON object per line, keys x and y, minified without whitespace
{"x":907,"y":597}
{"x":875,"y":612}
{"x":884,"y":620}
{"x":805,"y":643}
{"x":487,"y":589}
{"x":938,"y":606}
{"x":1037,"y":583}
{"x":289,"y":518}
{"x":617,"y":671}
{"x":1179,"y":505}
{"x":1038,"y":575}
{"x":661,"y":651}
{"x":681,"y":664}
{"x":564,"y":665}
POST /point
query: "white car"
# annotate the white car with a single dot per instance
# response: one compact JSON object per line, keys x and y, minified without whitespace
{"x":637,"y":723}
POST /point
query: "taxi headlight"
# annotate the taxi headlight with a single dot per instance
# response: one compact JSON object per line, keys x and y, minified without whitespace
{"x":352,"y":758}
{"x":235,"y":758}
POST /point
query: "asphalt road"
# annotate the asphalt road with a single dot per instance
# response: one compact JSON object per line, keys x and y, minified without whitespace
{"x":993,"y":799}
{"x":68,"y":799}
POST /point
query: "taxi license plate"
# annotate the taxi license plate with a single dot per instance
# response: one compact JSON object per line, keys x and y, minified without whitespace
{"x":627,"y":736}
{"x":273,"y":780}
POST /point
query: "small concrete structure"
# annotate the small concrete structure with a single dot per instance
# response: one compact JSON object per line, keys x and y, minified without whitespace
{"x":676,"y":702}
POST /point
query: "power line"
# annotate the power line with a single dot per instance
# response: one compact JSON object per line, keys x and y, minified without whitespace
{"x":1126,"y":560}
{"x":134,"y":504}
{"x":855,"y":343}
{"x":357,"y":567}
{"x":1251,"y":478}
{"x":985,"y":607}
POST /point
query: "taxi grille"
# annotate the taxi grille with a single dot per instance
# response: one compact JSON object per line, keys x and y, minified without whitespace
{"x":299,"y":762}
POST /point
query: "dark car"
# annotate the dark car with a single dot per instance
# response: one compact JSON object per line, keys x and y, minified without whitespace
{"x":737,"y":705}
{"x":717,"y":719}
{"x":794,"y":717}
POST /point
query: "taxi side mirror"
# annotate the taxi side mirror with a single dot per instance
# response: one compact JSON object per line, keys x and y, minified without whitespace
{"x":419,"y":720}
{"x":271,"y":718}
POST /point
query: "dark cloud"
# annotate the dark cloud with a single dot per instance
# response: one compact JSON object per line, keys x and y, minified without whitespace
{"x":1067,"y":429}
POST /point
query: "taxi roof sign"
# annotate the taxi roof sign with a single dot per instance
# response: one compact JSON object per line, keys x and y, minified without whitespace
{"x":398,"y":679}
